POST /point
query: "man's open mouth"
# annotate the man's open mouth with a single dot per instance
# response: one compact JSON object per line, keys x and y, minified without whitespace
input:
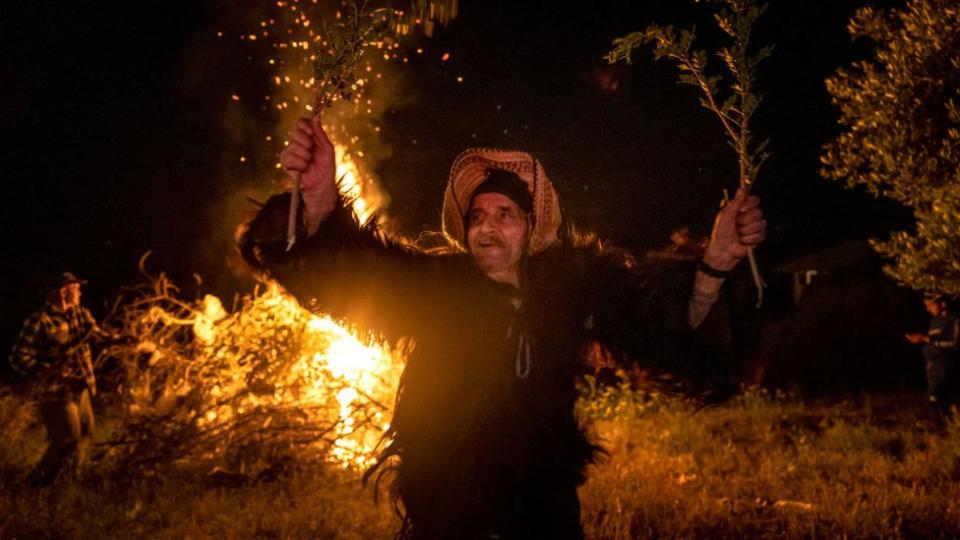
{"x":489,"y":242}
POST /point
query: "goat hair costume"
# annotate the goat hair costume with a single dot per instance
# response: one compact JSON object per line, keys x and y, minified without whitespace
{"x":483,"y":442}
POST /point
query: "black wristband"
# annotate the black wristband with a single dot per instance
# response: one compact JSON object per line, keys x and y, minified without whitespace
{"x":702,"y":266}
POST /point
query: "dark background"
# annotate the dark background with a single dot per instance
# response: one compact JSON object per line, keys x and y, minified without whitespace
{"x":117,"y":133}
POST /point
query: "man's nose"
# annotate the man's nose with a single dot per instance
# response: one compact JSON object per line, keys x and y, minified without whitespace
{"x":486,"y":223}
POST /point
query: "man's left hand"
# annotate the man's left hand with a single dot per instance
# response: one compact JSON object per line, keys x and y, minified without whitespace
{"x":917,"y":339}
{"x":738,"y":227}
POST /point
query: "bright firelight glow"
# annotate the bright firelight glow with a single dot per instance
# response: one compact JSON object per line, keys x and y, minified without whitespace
{"x":336,"y":378}
{"x":365,"y":201}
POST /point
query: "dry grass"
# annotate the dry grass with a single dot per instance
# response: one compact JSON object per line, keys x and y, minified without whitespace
{"x":760,"y":466}
{"x":305,"y":504}
{"x":769,"y":466}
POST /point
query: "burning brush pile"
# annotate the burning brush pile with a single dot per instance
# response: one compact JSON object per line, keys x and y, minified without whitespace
{"x":247,"y":390}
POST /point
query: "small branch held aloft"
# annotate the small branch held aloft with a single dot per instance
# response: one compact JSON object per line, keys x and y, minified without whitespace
{"x":735,"y":106}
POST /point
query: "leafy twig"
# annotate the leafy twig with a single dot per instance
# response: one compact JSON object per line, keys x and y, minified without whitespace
{"x":335,"y":68}
{"x":734,"y":110}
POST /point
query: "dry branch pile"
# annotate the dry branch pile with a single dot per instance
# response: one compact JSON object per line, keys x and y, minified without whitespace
{"x":247,"y":390}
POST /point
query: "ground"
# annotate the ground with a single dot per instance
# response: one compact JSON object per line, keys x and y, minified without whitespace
{"x":760,"y":465}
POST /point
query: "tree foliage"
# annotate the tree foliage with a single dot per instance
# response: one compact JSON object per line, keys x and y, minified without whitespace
{"x":901,"y":137}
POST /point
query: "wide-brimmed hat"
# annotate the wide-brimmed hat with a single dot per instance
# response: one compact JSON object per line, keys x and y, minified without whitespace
{"x":471,"y":168}
{"x":65,"y":278}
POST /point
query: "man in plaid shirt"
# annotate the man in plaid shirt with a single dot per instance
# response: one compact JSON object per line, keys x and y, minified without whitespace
{"x":53,"y":351}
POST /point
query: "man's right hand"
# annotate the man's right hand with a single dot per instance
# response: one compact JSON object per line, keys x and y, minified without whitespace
{"x":310,"y":155}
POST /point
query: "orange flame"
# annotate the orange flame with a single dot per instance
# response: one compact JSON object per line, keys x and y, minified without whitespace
{"x":337,"y":379}
{"x":361,"y":189}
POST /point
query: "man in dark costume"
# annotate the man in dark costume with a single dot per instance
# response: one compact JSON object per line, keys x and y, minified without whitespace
{"x":483,"y":442}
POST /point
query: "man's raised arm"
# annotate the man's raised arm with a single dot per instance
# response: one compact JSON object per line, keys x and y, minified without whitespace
{"x":738,"y":227}
{"x":663,"y":315}
{"x":337,"y":265}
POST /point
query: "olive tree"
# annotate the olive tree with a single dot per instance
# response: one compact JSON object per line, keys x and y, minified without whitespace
{"x":901,"y":134}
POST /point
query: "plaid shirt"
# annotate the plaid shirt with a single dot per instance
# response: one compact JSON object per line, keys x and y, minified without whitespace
{"x":54,"y":344}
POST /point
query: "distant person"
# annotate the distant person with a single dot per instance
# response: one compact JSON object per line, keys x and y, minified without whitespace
{"x":939,"y":346}
{"x":53,"y":354}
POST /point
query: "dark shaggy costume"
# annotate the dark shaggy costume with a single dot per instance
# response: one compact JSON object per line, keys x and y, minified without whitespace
{"x":484,"y":443}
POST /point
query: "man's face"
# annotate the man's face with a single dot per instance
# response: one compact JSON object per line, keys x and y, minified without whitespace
{"x":497,"y":236}
{"x":70,"y":295}
{"x":934,"y":307}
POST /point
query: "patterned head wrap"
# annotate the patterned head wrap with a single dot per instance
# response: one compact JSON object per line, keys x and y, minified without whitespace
{"x":470,"y":169}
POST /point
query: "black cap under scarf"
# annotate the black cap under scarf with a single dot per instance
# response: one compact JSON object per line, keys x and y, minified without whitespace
{"x":508,"y":184}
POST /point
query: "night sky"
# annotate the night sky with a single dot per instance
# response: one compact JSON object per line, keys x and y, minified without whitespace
{"x":119,"y":133}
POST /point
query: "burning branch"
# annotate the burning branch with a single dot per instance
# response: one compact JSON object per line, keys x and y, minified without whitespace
{"x":741,"y":102}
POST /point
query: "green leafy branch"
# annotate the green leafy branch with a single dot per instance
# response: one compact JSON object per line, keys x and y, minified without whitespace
{"x":360,"y":25}
{"x":735,"y":105}
{"x":335,"y":68}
